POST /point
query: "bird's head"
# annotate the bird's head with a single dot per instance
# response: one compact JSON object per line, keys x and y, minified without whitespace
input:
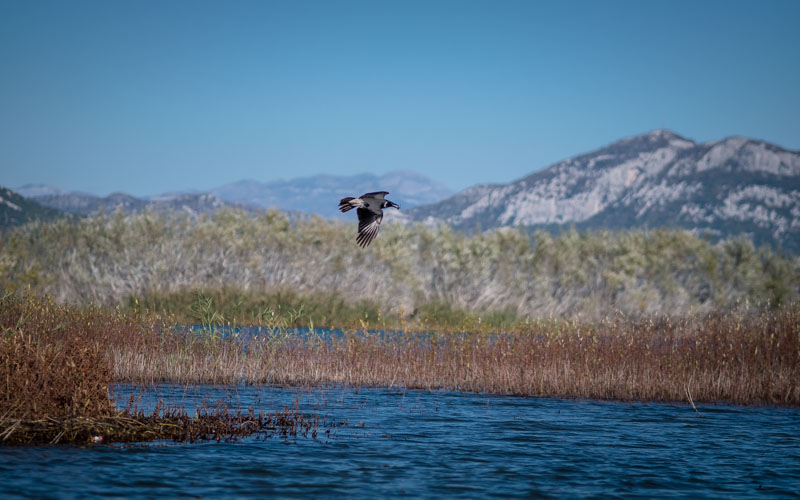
{"x":388,"y":203}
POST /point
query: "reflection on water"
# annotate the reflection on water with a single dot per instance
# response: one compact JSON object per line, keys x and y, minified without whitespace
{"x":418,"y":443}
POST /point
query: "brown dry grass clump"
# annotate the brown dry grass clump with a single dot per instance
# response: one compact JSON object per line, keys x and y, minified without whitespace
{"x":52,"y":359}
{"x":215,"y":424}
{"x":55,"y":372}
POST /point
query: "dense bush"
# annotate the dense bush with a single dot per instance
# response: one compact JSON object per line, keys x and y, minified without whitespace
{"x":108,"y":258}
{"x":53,"y":360}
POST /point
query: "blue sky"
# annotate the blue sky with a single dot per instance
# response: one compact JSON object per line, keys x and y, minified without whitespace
{"x":153,"y":96}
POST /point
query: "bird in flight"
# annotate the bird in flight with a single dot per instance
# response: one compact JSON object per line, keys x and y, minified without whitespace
{"x":370,"y":214}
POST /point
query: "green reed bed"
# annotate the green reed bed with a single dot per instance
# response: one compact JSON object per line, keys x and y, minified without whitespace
{"x":228,"y":306}
{"x":56,"y":369}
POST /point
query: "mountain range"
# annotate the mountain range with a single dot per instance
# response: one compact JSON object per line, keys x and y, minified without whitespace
{"x":310,"y":195}
{"x":723,"y":188}
{"x":84,"y":204}
{"x":320,"y":194}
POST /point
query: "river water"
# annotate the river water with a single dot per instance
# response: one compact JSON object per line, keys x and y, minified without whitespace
{"x":395,"y":443}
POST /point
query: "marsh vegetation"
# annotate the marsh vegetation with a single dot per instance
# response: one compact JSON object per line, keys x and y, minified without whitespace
{"x":62,"y":358}
{"x":641,"y":315}
{"x":56,"y":369}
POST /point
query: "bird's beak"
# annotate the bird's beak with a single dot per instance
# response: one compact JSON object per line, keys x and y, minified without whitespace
{"x":397,"y":206}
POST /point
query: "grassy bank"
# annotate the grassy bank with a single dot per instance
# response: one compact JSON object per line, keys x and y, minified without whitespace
{"x":110,"y":258}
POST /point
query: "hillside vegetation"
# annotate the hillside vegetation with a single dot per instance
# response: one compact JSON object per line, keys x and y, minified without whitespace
{"x":16,"y":210}
{"x":113,"y":259}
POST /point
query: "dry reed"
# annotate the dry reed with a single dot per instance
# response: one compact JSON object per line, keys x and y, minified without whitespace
{"x":55,"y":372}
{"x":216,"y":424}
{"x":747,"y":358}
{"x":58,"y":360}
{"x":50,"y":366}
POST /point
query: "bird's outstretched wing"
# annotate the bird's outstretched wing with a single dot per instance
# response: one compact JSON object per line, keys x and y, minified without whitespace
{"x":378,"y":195}
{"x":368,"y":225}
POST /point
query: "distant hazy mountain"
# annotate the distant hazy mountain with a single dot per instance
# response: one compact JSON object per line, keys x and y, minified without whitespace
{"x":34,"y":190}
{"x":85,"y":204}
{"x":194,"y":203}
{"x":728,"y":187}
{"x":16,"y":210}
{"x":320,"y":194}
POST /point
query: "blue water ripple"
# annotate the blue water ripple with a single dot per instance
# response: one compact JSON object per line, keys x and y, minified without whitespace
{"x":422,"y":444}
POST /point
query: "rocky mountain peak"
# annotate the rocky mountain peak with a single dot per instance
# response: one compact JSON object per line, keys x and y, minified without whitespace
{"x":735,"y":185}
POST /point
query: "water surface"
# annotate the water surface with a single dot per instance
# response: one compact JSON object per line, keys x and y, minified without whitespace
{"x":418,"y":443}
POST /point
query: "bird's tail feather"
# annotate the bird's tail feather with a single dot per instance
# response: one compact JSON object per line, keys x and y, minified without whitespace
{"x":344,"y":204}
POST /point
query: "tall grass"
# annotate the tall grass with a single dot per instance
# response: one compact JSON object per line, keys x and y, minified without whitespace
{"x":751,"y":358}
{"x":110,"y":259}
{"x":59,"y":360}
{"x":283,"y":308}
